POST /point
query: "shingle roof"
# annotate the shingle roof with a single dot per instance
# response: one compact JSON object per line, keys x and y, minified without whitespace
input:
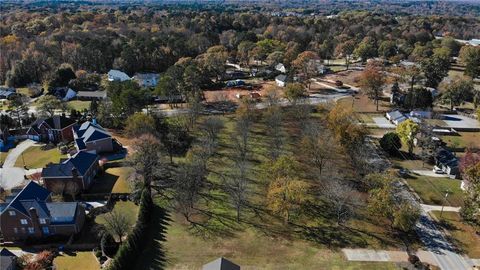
{"x":63,"y":212}
{"x":6,"y":258}
{"x":281,"y":77}
{"x":221,"y":264}
{"x":93,"y":134}
{"x":80,"y":161}
{"x":59,"y":122}
{"x":32,"y":191}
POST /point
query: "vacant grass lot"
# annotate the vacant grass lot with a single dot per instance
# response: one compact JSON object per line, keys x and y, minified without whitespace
{"x":35,"y":157}
{"x":463,"y":140}
{"x":262,"y":240}
{"x":432,"y":189}
{"x":78,"y":260}
{"x":464,"y":235}
{"x":79,"y":105}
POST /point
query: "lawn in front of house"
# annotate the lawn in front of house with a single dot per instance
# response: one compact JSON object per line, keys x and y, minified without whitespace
{"x":35,"y":157}
{"x":464,"y":235}
{"x":78,"y":260}
{"x":128,"y":208}
{"x":79,"y":105}
{"x":113,"y":180}
{"x":432,"y":189}
{"x":463,"y":140}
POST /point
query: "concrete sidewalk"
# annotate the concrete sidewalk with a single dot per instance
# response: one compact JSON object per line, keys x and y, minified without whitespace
{"x":429,"y":208}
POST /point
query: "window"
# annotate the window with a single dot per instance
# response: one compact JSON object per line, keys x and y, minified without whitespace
{"x":31,"y":230}
{"x":23,"y":221}
{"x":43,"y":221}
{"x":12,"y":213}
{"x":15,"y":230}
{"x":45,"y":230}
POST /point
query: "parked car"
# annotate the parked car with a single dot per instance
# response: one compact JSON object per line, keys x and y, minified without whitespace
{"x":438,"y":170}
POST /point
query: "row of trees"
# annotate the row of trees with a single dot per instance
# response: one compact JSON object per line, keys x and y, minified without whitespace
{"x":35,"y":44}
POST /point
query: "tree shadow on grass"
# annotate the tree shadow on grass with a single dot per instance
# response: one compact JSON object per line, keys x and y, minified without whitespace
{"x":153,"y":256}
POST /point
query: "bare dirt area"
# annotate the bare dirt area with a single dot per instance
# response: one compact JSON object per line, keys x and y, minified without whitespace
{"x":347,"y":76}
{"x":232,"y":93}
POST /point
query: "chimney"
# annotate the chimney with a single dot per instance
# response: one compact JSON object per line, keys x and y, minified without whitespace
{"x":35,"y":221}
{"x":94,"y":121}
{"x":74,"y":173}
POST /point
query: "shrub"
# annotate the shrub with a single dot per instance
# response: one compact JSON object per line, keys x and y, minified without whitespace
{"x":391,"y":143}
{"x":413,"y":259}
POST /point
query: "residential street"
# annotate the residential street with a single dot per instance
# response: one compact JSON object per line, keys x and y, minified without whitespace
{"x":433,"y":238}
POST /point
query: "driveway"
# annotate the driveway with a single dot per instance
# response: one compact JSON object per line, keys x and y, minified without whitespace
{"x":11,"y":176}
{"x":429,"y":208}
{"x":16,"y":152}
{"x":430,"y":173}
{"x":460,"y":122}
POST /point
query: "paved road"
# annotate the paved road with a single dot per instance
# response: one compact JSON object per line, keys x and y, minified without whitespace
{"x":11,"y":176}
{"x":444,"y":253}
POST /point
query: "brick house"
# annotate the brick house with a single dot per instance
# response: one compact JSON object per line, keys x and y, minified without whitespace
{"x":92,"y":138}
{"x":54,"y":129}
{"x":30,"y":214}
{"x":79,"y":170}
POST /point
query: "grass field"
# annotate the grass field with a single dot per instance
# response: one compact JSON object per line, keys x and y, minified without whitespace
{"x":463,"y":140}
{"x":79,"y":105}
{"x":79,"y":260}
{"x":113,"y":180}
{"x":432,"y":190}
{"x":35,"y":157}
{"x":464,"y":235}
{"x":128,"y":208}
{"x":262,"y":240}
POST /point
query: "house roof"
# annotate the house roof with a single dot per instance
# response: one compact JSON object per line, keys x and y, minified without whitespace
{"x":221,"y":264}
{"x":89,"y":132}
{"x":281,"y":77}
{"x":58,"y":122}
{"x":32,"y":191}
{"x":63,"y":212}
{"x":114,"y":74}
{"x":81,"y":161}
{"x":6,"y":258}
{"x":145,"y":76}
{"x":395,"y":115}
{"x":92,"y":94}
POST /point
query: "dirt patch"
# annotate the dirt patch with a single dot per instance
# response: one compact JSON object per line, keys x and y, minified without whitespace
{"x":348,"y":76}
{"x":232,"y":93}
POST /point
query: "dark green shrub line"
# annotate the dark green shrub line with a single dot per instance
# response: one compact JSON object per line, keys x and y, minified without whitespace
{"x":131,"y":249}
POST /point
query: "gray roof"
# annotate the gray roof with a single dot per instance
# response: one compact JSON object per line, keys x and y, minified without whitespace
{"x":62,"y":212}
{"x":81,"y":161}
{"x":281,"y":77}
{"x":93,"y":94}
{"x":7,"y":258}
{"x":395,"y":115}
{"x":221,"y":264}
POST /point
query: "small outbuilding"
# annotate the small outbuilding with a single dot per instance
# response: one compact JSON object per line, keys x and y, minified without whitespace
{"x":281,"y":80}
{"x":117,"y":75}
{"x":221,"y":264}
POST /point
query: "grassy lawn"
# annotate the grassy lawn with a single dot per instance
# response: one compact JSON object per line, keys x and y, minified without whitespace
{"x":128,"y":208}
{"x":432,"y":189}
{"x":23,"y":91}
{"x":463,"y":140}
{"x":3,"y":156}
{"x":35,"y":157}
{"x":464,"y":235}
{"x":362,"y":104}
{"x":249,"y":248}
{"x":113,"y":180}
{"x":84,"y":260}
{"x":78,"y":105}
{"x":262,"y":240}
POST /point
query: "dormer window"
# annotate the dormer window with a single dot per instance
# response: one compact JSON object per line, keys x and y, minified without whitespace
{"x":23,"y":221}
{"x":43,"y":221}
{"x":12,"y":213}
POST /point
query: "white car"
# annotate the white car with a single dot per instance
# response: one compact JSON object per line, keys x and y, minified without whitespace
{"x":438,"y":170}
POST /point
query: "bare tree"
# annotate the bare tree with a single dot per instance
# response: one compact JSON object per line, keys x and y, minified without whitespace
{"x":189,"y":182}
{"x":341,"y":198}
{"x":237,"y":187}
{"x":211,"y":128}
{"x":318,"y":147}
{"x":117,"y":224}
{"x":273,"y":119}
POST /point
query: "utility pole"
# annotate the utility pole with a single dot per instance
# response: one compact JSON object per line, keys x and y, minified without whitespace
{"x":444,"y":200}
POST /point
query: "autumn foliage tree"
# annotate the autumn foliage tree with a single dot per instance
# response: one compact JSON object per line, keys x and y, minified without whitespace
{"x":372,"y":81}
{"x":407,"y":130}
{"x":306,"y":63}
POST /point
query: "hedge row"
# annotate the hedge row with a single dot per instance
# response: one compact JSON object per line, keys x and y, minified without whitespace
{"x":130,"y":250}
